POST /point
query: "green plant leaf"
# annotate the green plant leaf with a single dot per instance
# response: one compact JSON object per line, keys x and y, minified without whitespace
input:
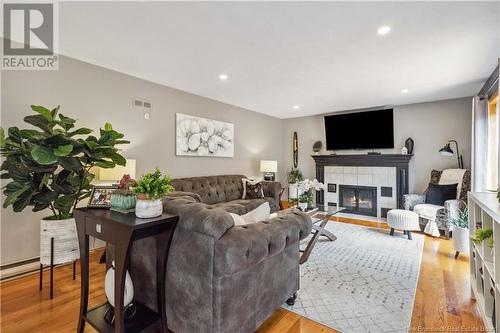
{"x":105,"y":164}
{"x":31,"y":134}
{"x":64,"y":188}
{"x":66,"y":120}
{"x":70,"y":163}
{"x":118,"y":159}
{"x":13,"y":193}
{"x":43,"y":155}
{"x":39,"y":207}
{"x":54,"y":112}
{"x":108,"y":127}
{"x":15,"y":134}
{"x":19,"y":174}
{"x":40,"y":122}
{"x":80,"y":131}
{"x":45,"y":198}
{"x":43,"y":111}
{"x":64,"y":204}
{"x":58,"y":140}
{"x":63,"y":150}
{"x":22,"y":201}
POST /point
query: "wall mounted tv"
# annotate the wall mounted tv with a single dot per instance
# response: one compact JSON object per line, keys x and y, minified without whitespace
{"x":360,"y":130}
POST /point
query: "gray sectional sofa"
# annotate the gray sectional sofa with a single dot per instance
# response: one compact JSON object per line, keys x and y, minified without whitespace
{"x":221,"y":277}
{"x":226,"y":191}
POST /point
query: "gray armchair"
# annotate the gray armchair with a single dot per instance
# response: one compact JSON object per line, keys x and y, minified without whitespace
{"x":433,"y":216}
{"x":221,"y":277}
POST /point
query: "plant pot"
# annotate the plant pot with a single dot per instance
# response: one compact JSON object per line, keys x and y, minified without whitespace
{"x":302,"y":206}
{"x":460,"y":239}
{"x":66,"y":247}
{"x":294,"y":191}
{"x":148,"y":208}
{"x":123,"y":202}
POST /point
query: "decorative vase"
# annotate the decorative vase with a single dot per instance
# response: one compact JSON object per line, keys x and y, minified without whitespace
{"x":109,"y":287}
{"x":122,"y":201}
{"x":148,"y":208}
{"x":302,"y":206}
{"x":66,"y":247}
{"x":409,"y":144}
{"x":460,"y":239}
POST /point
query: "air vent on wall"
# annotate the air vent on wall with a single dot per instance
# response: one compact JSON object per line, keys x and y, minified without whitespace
{"x":141,"y":103}
{"x":144,"y":106}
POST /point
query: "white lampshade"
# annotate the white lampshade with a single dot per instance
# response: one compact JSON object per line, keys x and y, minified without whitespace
{"x":268,"y":166}
{"x":118,"y":171}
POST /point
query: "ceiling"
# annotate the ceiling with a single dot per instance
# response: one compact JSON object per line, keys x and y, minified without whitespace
{"x":321,"y":56}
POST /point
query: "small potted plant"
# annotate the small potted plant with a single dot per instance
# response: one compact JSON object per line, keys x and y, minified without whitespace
{"x":123,"y":199}
{"x":294,"y":176}
{"x":482,"y":235}
{"x":304,"y":200}
{"x":150,"y":190}
{"x":461,"y":232}
{"x":307,"y":186}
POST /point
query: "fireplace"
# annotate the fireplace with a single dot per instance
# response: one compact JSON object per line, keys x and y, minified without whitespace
{"x":358,"y":199}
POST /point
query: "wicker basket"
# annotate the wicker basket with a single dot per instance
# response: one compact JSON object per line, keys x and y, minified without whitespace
{"x":66,"y":247}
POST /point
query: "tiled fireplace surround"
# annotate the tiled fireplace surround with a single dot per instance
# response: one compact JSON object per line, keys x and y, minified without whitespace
{"x":388,"y":173}
{"x":364,"y":176}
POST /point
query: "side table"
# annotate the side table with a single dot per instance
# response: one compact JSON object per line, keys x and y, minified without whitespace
{"x":122,"y":230}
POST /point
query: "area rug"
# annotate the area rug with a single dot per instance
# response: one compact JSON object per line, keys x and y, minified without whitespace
{"x":365,"y":281}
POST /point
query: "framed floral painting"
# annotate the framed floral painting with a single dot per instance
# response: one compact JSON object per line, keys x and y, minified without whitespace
{"x":203,"y":137}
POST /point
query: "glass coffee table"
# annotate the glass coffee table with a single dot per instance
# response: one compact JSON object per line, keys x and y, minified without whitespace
{"x":320,"y":215}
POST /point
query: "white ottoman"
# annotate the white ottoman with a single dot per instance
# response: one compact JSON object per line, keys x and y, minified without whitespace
{"x":401,"y":219}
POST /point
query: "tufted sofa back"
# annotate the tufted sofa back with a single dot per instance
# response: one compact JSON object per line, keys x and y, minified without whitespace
{"x":212,"y":189}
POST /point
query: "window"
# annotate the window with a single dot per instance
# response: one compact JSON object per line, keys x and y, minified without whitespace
{"x":493,"y":137}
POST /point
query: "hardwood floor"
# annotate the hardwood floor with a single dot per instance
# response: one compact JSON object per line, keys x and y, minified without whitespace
{"x":442,"y":302}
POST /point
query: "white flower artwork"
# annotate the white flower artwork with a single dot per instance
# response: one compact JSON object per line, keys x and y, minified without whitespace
{"x":203,"y":137}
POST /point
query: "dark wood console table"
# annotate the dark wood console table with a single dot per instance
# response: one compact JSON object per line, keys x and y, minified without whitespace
{"x":122,"y":230}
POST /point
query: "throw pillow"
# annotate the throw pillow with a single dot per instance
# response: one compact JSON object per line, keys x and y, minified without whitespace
{"x":260,"y":213}
{"x":252,"y":188}
{"x":438,"y":194}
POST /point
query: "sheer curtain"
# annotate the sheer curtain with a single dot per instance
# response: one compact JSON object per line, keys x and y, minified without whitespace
{"x":479,"y":143}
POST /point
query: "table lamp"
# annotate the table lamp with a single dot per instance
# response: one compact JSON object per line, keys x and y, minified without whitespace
{"x":116,"y":173}
{"x":269,"y":168}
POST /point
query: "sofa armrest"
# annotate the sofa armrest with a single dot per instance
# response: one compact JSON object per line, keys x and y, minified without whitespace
{"x":199,"y":217}
{"x":272,"y":190}
{"x":411,"y":200}
{"x":244,"y":246}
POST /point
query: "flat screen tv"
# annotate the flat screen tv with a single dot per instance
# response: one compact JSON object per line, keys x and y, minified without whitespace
{"x":360,"y":130}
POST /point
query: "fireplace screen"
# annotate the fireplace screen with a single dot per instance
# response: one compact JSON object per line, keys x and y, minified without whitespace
{"x":358,"y":199}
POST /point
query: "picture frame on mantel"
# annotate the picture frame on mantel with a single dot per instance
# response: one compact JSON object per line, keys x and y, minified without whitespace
{"x":197,"y":136}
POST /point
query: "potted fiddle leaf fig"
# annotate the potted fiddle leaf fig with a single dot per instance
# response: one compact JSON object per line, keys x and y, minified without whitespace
{"x":48,"y":167}
{"x":150,"y":190}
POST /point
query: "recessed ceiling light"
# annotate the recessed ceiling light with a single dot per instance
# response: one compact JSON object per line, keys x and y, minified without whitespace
{"x":223,"y":77}
{"x":404,"y":91}
{"x":296,"y":107}
{"x":383,"y":30}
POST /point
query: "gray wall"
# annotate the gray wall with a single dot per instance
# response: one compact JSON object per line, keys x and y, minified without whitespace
{"x":429,"y":124}
{"x":95,"y":95}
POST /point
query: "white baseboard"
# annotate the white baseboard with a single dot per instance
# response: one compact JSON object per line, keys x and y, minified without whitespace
{"x":19,"y":270}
